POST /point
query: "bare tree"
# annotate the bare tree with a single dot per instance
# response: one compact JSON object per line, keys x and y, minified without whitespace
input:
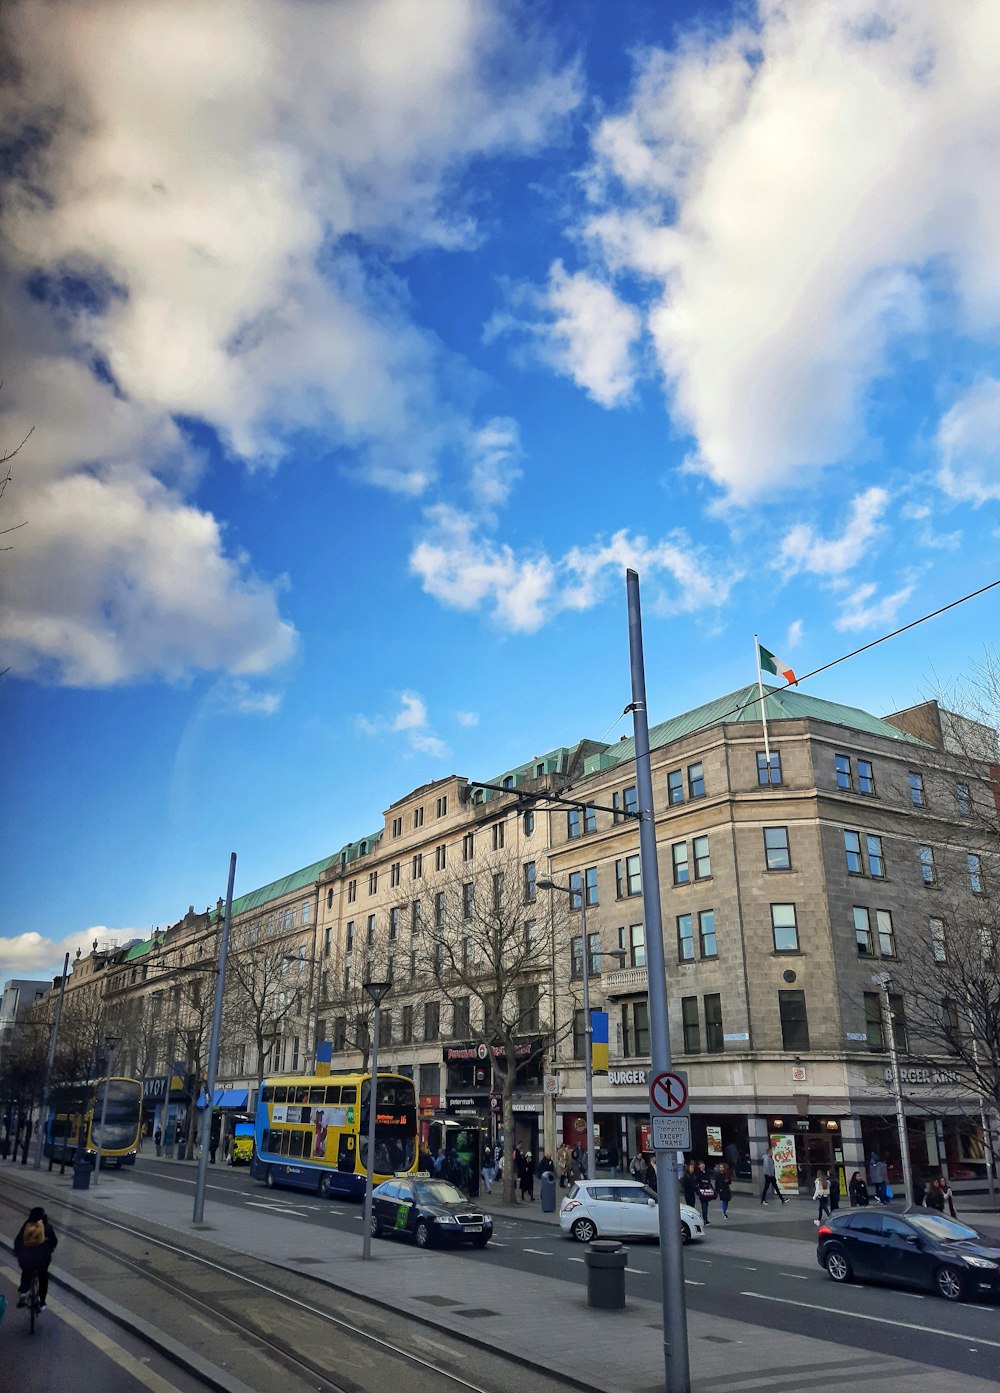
{"x":264,"y":990}
{"x":374,"y":952}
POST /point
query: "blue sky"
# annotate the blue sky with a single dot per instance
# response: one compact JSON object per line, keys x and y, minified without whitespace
{"x":366,"y":344}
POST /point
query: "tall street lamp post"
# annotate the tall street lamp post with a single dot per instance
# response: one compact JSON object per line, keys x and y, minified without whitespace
{"x":882,"y":981}
{"x":110,"y":1045}
{"x":588,"y":1046}
{"x":376,"y":990}
{"x":48,"y":1077}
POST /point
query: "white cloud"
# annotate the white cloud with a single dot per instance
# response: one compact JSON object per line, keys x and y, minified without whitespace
{"x":410,"y":720}
{"x":861,"y":611}
{"x":789,"y":190}
{"x":802,"y":550}
{"x":35,"y":956}
{"x":969,"y":445}
{"x":794,"y":636}
{"x":191,"y":181}
{"x":591,"y":335}
{"x":465,"y":569}
{"x":467,"y":718}
{"x":493,"y":461}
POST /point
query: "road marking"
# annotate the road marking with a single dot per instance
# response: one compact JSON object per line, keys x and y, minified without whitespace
{"x":796,"y":1276}
{"x":639,"y":1271}
{"x":749,"y":1269}
{"x":539,"y":1251}
{"x":705,"y":1262}
{"x":688,"y":1283}
{"x":877,"y":1320}
{"x":576,"y":1259}
{"x":139,"y":1371}
{"x":274,"y":1209}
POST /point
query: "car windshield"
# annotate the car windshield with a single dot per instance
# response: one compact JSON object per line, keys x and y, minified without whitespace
{"x":942,"y":1230}
{"x":438,"y":1192}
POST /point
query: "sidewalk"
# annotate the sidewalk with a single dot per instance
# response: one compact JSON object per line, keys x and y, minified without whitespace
{"x":538,"y":1321}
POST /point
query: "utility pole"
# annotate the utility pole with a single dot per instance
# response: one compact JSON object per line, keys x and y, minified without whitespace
{"x":48,"y":1072}
{"x":213,"y":1048}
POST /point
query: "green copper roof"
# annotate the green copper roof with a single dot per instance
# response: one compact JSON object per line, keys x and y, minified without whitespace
{"x":298,"y":880}
{"x":743,"y":707}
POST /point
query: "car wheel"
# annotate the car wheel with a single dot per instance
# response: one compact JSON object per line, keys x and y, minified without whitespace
{"x":324,"y":1187}
{"x":269,"y":1178}
{"x":376,"y":1226}
{"x":685,"y":1233}
{"x":838,"y":1266}
{"x":584,"y":1230}
{"x":422,"y":1237}
{"x":948,"y":1282}
{"x":481,"y":1242}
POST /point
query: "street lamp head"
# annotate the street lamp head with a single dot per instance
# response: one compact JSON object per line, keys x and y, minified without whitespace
{"x":377,"y":990}
{"x":880,"y":980}
{"x":544,"y":883}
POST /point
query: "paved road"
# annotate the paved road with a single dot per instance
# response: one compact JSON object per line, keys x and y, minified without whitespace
{"x":761,"y":1313}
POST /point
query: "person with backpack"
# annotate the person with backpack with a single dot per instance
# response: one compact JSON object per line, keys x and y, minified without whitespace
{"x":33,"y":1247}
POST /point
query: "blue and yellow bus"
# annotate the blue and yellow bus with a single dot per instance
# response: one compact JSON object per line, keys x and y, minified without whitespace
{"x":312,"y":1131}
{"x":75,"y":1111}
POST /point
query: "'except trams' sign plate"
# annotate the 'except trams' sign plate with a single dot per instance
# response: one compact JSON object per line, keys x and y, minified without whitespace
{"x":671,"y":1133}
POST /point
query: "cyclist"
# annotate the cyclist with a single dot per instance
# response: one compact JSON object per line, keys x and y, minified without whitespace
{"x":33,"y":1248}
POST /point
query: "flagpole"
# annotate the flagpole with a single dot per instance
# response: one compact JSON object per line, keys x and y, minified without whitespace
{"x":763,"y":708}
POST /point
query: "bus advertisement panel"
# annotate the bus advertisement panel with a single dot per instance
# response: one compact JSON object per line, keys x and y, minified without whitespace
{"x":312,"y":1132}
{"x":75,"y":1111}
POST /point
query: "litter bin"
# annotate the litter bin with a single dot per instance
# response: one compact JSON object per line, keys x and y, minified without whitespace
{"x":81,"y":1173}
{"x":548,"y":1192}
{"x":606,"y":1262}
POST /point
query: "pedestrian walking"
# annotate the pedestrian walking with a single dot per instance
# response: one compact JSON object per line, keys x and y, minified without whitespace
{"x":939,"y":1197}
{"x":637,"y":1167}
{"x":487,"y":1168}
{"x":858,"y":1191}
{"x":723,"y":1187}
{"x":526,"y":1175}
{"x":770,"y":1178}
{"x":821,"y":1193}
{"x":613,"y":1160}
{"x":563,"y":1158}
{"x":158,"y":1141}
{"x":689,"y":1185}
{"x":651,"y":1173}
{"x":705,"y":1189}
{"x":834,"y":1191}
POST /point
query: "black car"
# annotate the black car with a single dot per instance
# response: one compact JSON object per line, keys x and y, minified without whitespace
{"x":909,"y":1250}
{"x":428,"y":1211}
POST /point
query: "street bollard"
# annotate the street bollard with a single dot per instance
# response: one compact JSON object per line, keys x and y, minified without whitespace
{"x":606,"y":1262}
{"x":81,"y":1173}
{"x":548,"y":1191}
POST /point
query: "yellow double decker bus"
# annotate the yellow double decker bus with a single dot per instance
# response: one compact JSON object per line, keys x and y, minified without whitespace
{"x":312,"y":1132}
{"x":74,"y":1121}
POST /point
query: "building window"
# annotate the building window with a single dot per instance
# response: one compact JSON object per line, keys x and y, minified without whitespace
{"x":768,"y":772}
{"x":616,"y":808}
{"x":866,"y":778}
{"x":575,"y":889}
{"x":714,"y":1040}
{"x":352,"y":891}
{"x":842,"y":765}
{"x":635,"y":1029}
{"x":529,"y":1008}
{"x":430,"y":1080}
{"x":440,"y":857}
{"x":468,"y":846}
{"x":393,"y":923}
{"x":530,"y":892}
{"x":939,"y":940}
{"x":394,"y":875}
{"x":702,"y":859}
{"x":442,"y":805}
{"x":418,"y":818}
{"x":305,"y":914}
{"x":431,"y":1020}
{"x":679,"y":855}
{"x":439,"y":909}
{"x":696,"y":780}
{"x":898,"y":1013}
{"x":385,"y":1027}
{"x":370,"y":931}
{"x":413,"y":964}
{"x":532,"y":943}
{"x":628,"y":877}
{"x":590,"y":818}
{"x":579,"y":1035}
{"x":327,"y":942}
{"x":685,"y":938}
{"x":794,"y":1021}
{"x":928,"y":873}
{"x":468,"y":900}
{"x":876,"y":861}
{"x":852,"y":850}
{"x":406,"y":1031}
{"x":573,"y":823}
{"x":777,"y":856}
{"x":975,"y":866}
{"x":863,"y":932}
{"x":874,"y":1033}
{"x":916,"y":782}
{"x":415,"y":920}
{"x":590,"y":882}
{"x":706,"y":932}
{"x":461,"y":1023}
{"x":576,"y":952}
{"x":950,"y":1023}
{"x":784,"y":928}
{"x":633,"y":940}
{"x":631,"y":801}
{"x":349,"y":945}
{"x":529,"y":822}
{"x":498,"y":836}
{"x":692,"y":1029}
{"x":372,"y":882}
{"x":886,"y":937}
{"x":397,"y":826}
{"x":340,"y":1034}
{"x":508,"y":781}
{"x":329,"y":899}
{"x":418,"y":866}
{"x":963,"y":799}
{"x":675,"y":787}
{"x":497,"y":891}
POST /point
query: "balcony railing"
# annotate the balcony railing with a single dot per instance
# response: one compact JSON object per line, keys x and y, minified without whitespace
{"x":624,"y":980}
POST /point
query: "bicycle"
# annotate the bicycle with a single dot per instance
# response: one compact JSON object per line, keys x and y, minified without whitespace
{"x":34,"y":1302}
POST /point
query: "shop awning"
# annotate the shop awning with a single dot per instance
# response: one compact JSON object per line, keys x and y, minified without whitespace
{"x":226,"y":1098}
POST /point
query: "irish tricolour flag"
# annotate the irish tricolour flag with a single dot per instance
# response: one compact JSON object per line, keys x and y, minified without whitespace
{"x":769,"y":663}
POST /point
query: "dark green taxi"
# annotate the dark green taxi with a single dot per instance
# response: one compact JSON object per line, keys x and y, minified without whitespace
{"x":428,"y":1211}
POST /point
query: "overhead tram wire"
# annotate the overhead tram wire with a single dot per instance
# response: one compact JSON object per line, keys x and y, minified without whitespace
{"x":754,"y":700}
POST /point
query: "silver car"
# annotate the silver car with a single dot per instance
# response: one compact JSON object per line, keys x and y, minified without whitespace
{"x":619,"y":1209}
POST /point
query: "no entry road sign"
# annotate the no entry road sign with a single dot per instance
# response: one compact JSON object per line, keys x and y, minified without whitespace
{"x":668,"y":1093}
